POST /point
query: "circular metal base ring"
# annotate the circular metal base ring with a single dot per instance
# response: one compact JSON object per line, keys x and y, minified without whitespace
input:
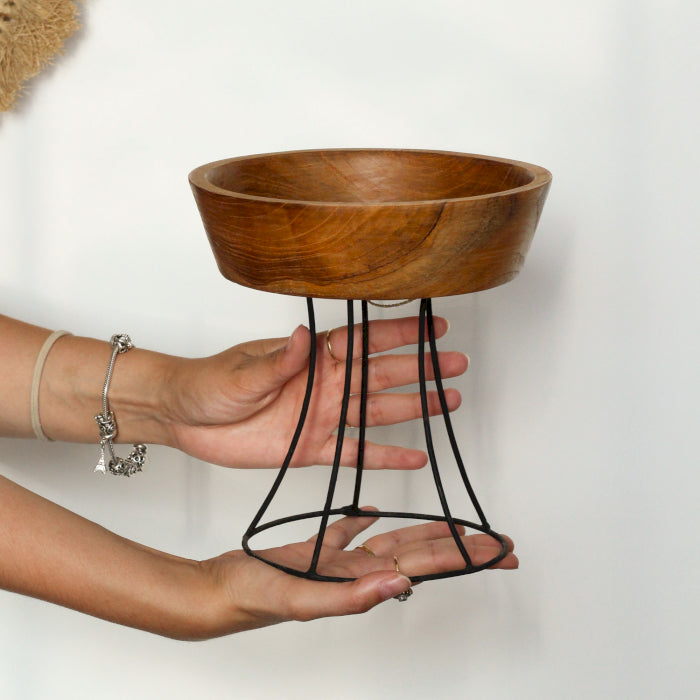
{"x":356,"y":512}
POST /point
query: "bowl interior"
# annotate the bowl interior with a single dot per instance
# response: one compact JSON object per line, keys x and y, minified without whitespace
{"x":367,"y":176}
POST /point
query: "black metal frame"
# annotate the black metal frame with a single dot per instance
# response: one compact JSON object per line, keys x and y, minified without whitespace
{"x":425,"y":318}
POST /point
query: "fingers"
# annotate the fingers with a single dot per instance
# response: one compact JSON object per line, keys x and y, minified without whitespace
{"x":311,"y":599}
{"x":376,"y":456}
{"x":383,"y":335}
{"x":388,"y":543}
{"x":290,"y":359}
{"x":434,"y":556}
{"x":391,"y":371}
{"x":443,"y":555}
{"x":308,"y":600}
{"x":269,"y":364}
{"x":389,"y":409}
{"x":342,"y":532}
{"x":430,"y":548}
{"x":386,"y":409}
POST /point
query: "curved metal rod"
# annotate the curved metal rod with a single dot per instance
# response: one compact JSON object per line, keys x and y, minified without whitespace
{"x":428,"y":435}
{"x":363,"y":408}
{"x":349,"y":510}
{"x":446,"y":416}
{"x":338,"y":443}
{"x":297,"y":433}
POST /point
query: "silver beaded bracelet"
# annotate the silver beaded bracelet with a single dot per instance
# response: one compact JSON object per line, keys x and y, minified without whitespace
{"x":107,"y":424}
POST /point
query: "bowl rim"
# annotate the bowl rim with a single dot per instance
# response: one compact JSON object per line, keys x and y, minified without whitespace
{"x":198,"y":178}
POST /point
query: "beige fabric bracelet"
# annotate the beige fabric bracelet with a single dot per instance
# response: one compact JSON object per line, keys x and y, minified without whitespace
{"x":36,"y":381}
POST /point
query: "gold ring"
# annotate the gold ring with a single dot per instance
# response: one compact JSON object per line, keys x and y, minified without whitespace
{"x":405,"y":595}
{"x":366,"y":549}
{"x":328,"y":344}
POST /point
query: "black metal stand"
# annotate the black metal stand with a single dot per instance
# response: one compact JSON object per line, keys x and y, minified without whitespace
{"x":426,"y":315}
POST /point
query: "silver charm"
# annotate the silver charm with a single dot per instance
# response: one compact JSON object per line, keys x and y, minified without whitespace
{"x":108,"y":430}
{"x":129,"y":465}
{"x":101,"y":466}
{"x":107,"y":427}
{"x":121,"y":341}
{"x":107,"y":424}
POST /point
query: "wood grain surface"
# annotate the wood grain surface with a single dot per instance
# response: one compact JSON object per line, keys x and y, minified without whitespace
{"x":370,"y":223}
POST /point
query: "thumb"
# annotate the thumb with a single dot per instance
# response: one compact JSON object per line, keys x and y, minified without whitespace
{"x":350,"y":598}
{"x":274,"y":369}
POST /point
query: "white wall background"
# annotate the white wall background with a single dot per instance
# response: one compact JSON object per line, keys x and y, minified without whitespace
{"x":580,"y":417}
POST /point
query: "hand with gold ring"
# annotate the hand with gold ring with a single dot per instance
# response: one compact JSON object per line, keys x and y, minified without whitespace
{"x":240,"y":408}
{"x":258,"y":594}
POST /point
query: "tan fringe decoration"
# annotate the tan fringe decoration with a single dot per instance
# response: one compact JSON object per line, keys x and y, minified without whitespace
{"x":32,"y":32}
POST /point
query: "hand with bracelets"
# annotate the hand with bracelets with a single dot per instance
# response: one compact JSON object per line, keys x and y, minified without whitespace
{"x":237,"y":409}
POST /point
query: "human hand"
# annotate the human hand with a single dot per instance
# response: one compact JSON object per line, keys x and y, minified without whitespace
{"x":253,"y":594}
{"x":240,"y":408}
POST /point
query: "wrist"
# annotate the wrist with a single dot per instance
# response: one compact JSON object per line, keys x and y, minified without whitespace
{"x":138,"y":396}
{"x":232,"y":604}
{"x":178,"y":601}
{"x":71,"y":392}
{"x":200,"y":604}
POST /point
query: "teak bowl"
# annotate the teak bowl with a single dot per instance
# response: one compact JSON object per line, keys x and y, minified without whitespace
{"x":370,"y":223}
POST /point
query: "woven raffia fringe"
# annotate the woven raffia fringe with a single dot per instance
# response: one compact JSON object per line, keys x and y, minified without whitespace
{"x":32,"y":32}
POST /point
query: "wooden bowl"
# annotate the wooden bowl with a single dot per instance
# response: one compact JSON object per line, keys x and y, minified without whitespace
{"x":370,"y":223}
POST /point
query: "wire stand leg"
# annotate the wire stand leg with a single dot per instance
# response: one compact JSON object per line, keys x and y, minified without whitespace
{"x":338,"y":444}
{"x":428,"y":433}
{"x":253,"y":527}
{"x":363,"y":409}
{"x":446,"y":416}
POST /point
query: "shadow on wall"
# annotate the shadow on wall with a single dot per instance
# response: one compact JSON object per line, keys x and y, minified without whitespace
{"x":513,"y":335}
{"x":36,"y":460}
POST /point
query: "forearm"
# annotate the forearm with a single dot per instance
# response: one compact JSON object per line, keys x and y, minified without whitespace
{"x":53,"y":554}
{"x":70,"y":392}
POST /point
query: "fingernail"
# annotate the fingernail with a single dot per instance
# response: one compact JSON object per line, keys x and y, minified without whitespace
{"x":391,"y":587}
